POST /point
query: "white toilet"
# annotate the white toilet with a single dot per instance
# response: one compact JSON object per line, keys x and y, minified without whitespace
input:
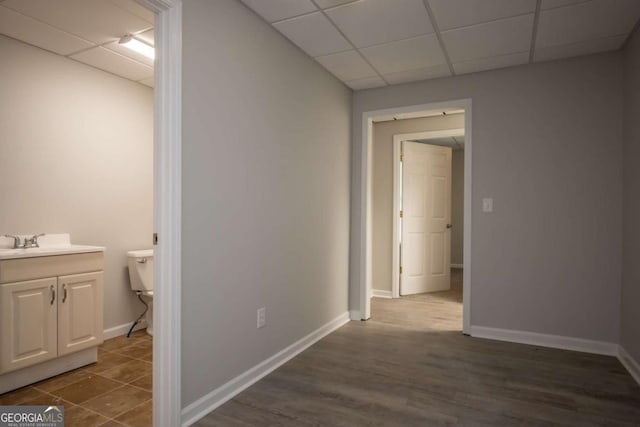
{"x":141,"y":275}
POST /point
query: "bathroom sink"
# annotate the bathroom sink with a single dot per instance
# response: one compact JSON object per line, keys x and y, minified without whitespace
{"x":51,"y":244}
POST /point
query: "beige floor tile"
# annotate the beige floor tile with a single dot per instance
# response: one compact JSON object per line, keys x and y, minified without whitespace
{"x":81,"y":417}
{"x":107,"y":361}
{"x":129,"y":371}
{"x":141,"y":416}
{"x":86,"y":389}
{"x":145,"y":382}
{"x":62,"y":380}
{"x":20,"y":395}
{"x":118,"y":401}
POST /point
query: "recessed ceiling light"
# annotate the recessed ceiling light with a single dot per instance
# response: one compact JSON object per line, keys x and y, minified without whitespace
{"x":136,"y":45}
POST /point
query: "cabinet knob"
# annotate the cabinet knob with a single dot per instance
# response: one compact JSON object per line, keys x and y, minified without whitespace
{"x":53,"y":294}
{"x":64,"y":293}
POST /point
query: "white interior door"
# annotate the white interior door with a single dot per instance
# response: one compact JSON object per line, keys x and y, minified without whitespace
{"x":426,"y":218}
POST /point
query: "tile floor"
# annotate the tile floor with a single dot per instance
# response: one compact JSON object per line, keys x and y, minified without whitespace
{"x":115,"y":391}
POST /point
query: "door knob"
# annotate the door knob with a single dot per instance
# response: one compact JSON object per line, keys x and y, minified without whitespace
{"x":449,"y":225}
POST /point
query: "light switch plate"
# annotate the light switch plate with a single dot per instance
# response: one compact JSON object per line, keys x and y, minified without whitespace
{"x":487,"y":205}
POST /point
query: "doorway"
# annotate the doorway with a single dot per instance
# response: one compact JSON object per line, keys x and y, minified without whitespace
{"x":364,"y":262}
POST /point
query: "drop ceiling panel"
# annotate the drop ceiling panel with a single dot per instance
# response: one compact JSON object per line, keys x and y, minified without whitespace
{"x":552,"y":4}
{"x":314,"y":34}
{"x":147,"y":82}
{"x":347,"y":65}
{"x":136,"y":9}
{"x":418,"y":74}
{"x":366,"y":83}
{"x":93,"y":20}
{"x":372,"y":22}
{"x":577,"y":49}
{"x":494,"y":62}
{"x":20,"y":27}
{"x":461,"y":13}
{"x":418,"y":52}
{"x":596,"y":19}
{"x":114,"y":63}
{"x":490,"y":39}
{"x":324,"y":4}
{"x":275,"y":10}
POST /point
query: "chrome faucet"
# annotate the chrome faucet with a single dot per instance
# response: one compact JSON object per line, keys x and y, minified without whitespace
{"x":29,"y":242}
{"x":16,"y":241}
{"x":32,"y":242}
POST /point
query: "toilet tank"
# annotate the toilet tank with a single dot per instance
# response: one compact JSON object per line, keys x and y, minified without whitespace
{"x":141,"y":269}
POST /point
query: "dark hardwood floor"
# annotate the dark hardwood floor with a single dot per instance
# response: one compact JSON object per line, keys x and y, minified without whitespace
{"x":409,"y":365}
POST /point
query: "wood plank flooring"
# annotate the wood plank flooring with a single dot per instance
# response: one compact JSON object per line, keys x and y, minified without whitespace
{"x":409,"y":365}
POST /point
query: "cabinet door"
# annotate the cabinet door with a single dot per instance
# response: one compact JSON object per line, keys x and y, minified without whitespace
{"x":28,"y":323}
{"x":79,"y":312}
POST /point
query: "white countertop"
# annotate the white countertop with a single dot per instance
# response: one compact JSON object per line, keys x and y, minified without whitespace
{"x":50,"y":245}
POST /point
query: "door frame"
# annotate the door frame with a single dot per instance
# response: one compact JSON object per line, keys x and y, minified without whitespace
{"x":364,"y":261}
{"x":167,"y":167}
{"x":395,"y":237}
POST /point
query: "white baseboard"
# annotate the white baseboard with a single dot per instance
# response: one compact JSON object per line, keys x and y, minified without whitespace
{"x":630,"y":363}
{"x":544,"y":340}
{"x":377,"y":293}
{"x":222,"y":394}
{"x":123,"y":329}
{"x":457,"y":265}
{"x":355,"y":315}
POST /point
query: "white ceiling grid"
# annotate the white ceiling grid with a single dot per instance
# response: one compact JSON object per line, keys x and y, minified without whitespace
{"x":373,"y":43}
{"x":84,"y":30}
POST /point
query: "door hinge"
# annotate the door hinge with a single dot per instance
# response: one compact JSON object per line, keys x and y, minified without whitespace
{"x":155,"y":239}
{"x":400,"y":214}
{"x":402,"y":157}
{"x":400,"y":269}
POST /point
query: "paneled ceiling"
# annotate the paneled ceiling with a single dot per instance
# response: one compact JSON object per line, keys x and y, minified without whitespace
{"x":373,"y":43}
{"x":84,"y":30}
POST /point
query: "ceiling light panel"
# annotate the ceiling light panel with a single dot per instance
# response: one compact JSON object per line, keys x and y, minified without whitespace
{"x":491,"y":63}
{"x":372,"y":22}
{"x":36,"y":33}
{"x":495,"y":38}
{"x":149,"y":37}
{"x":347,"y":65}
{"x":94,"y":20}
{"x":596,"y":19}
{"x":461,"y":13}
{"x":314,"y":34}
{"x":276,"y":10}
{"x":418,"y":52}
{"x":124,"y":50}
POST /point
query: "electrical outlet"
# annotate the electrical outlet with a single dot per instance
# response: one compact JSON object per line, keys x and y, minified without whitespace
{"x":262,"y":317}
{"x":487,"y":205}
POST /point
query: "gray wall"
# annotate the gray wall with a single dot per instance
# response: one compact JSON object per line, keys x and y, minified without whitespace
{"x":265,"y":194}
{"x":382,"y":189}
{"x":76,"y":156}
{"x":457,"y":207}
{"x":547,"y":144}
{"x":630,"y":316}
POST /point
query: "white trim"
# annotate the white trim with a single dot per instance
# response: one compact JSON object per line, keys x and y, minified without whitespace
{"x":364,"y":261}
{"x":355,"y":315}
{"x":222,"y":394}
{"x":630,"y":363}
{"x":545,"y":340}
{"x":167,"y":400}
{"x":120,"y":330}
{"x":395,"y":238}
{"x":378,"y":293}
{"x":457,"y":266}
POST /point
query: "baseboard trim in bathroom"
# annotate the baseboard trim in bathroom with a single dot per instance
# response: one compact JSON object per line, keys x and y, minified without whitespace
{"x":629,"y":363}
{"x":222,"y":394}
{"x":118,"y":331}
{"x":377,"y":293}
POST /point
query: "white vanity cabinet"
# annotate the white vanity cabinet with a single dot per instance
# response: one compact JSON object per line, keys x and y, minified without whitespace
{"x":51,"y":314}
